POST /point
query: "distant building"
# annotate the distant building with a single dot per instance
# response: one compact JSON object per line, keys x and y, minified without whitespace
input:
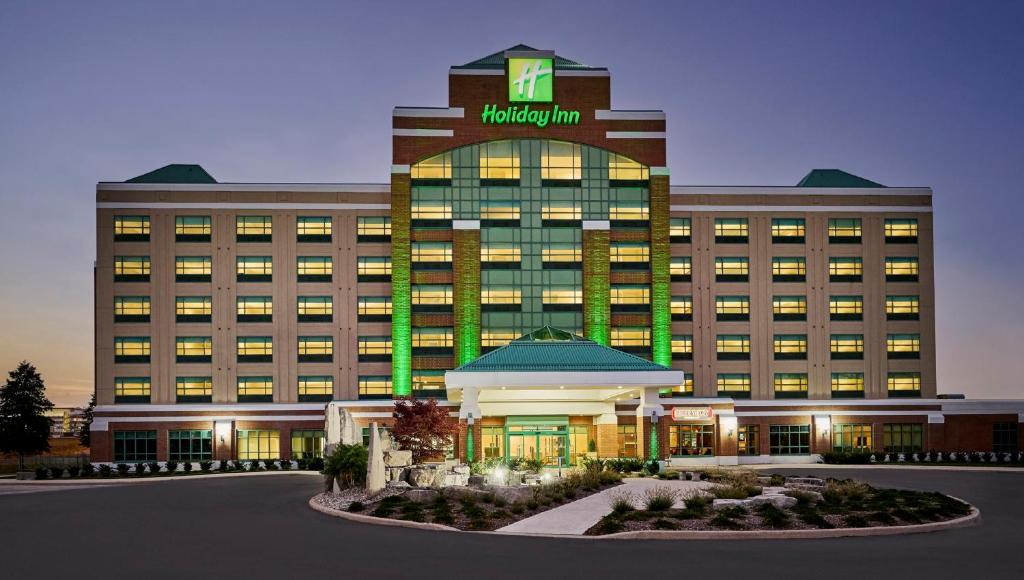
{"x":66,"y":421}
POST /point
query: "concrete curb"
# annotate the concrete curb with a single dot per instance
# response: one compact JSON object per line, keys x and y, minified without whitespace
{"x":147,"y":479}
{"x":915,"y":467}
{"x":378,"y":521}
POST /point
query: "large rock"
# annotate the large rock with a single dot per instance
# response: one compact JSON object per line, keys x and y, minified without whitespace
{"x":726,"y":503}
{"x":815,"y":481}
{"x":398,"y":458}
{"x":477,"y":480}
{"x":421,"y":495}
{"x":375,"y":477}
{"x":422,"y":476}
{"x":513,"y":493}
{"x":462,"y":491}
{"x":460,"y":469}
{"x":399,"y":485}
{"x":778,"y":500}
{"x":460,"y":479}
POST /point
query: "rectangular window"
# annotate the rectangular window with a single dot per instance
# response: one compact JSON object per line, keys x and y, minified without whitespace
{"x":131,"y":268}
{"x":683,"y":390}
{"x":635,"y":339}
{"x":131,"y":446}
{"x":686,"y":440}
{"x":847,"y":269}
{"x":844,"y":230}
{"x":307,"y":443}
{"x":749,"y":440}
{"x":131,"y":349}
{"x":627,"y":440}
{"x":847,"y":346}
{"x":731,"y":231}
{"x":853,"y":437}
{"x":373,"y":229}
{"x":374,"y":308}
{"x":316,"y":309}
{"x":254,"y":268}
{"x":562,"y":256}
{"x":562,"y":299}
{"x":901,"y":269}
{"x":500,"y":256}
{"x":903,"y":346}
{"x":629,"y":214}
{"x":733,"y":346}
{"x":561,"y":214}
{"x":500,"y":299}
{"x":193,"y":309}
{"x":315,"y":229}
{"x":732,"y":308}
{"x":428,"y":214}
{"x":902,"y":307}
{"x":624,"y":172}
{"x":499,"y":163}
{"x":198,"y":349}
{"x":846,"y":308}
{"x":436,"y":170}
{"x":131,"y":390}
{"x":436,"y":341}
{"x":499,"y":214}
{"x":790,"y":346}
{"x":316,"y":389}
{"x":790,"y":385}
{"x":789,"y":269}
{"x":493,"y":338}
{"x":131,"y":228}
{"x":561,"y":163}
{"x":679,"y":230}
{"x":253,"y":349}
{"x":492,"y":442}
{"x":629,"y":255}
{"x":316,"y":349}
{"x":131,"y":309}
{"x":431,"y":255}
{"x":847,"y":385}
{"x":789,"y":308}
{"x":630,"y":298}
{"x":682,"y":347}
{"x":374,"y":348}
{"x":682,"y":307}
{"x":904,"y":384}
{"x":374,"y":268}
{"x":255,"y":389}
{"x":1004,"y":437}
{"x":375,"y":387}
{"x":192,"y":268}
{"x":732,"y":269}
{"x":316,"y":268}
{"x":190,"y":445}
{"x":193,"y":389}
{"x":903,"y":437}
{"x":789,"y":439}
{"x":254,"y":308}
{"x":255,"y":444}
{"x":901,"y":230}
{"x":788,"y":230}
{"x":253,"y":228}
{"x":680,"y":269}
{"x":192,"y":228}
{"x":428,"y":384}
{"x":736,"y":385}
{"x":432,"y":298}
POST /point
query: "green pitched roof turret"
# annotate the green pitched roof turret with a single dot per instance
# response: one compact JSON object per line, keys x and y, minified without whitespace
{"x":175,"y":173}
{"x":835,"y":178}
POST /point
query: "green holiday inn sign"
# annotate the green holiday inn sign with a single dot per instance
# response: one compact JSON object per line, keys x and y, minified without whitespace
{"x":530,"y":81}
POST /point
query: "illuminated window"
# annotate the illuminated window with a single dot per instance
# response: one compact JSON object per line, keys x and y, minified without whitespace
{"x":431,"y":214}
{"x":682,"y":347}
{"x":847,"y":385}
{"x":374,"y":268}
{"x":732,"y":308}
{"x":562,"y":256}
{"x":790,"y":385}
{"x":316,"y":309}
{"x":495,"y":338}
{"x":255,"y":389}
{"x":192,"y":268}
{"x":316,"y":349}
{"x":374,"y":308}
{"x":131,"y":228}
{"x":732,"y":346}
{"x":627,"y":440}
{"x":431,"y":256}
{"x":846,"y":308}
{"x":789,"y":269}
{"x":193,"y":389}
{"x":630,"y":298}
{"x":788,"y":230}
{"x":790,"y":346}
{"x":134,"y":446}
{"x":561,"y":163}
{"x":256,"y":444}
{"x":902,"y":307}
{"x":193,"y":309}
{"x":500,"y":256}
{"x":315,"y":268}
{"x":316,"y":389}
{"x":428,"y":383}
{"x":789,"y":308}
{"x":733,"y":385}
{"x":131,"y":389}
{"x":562,"y":299}
{"x":432,"y":340}
{"x":845,"y":269}
{"x":374,"y":348}
{"x":903,"y":346}
{"x":192,"y":228}
{"x":847,"y":438}
{"x":373,"y":229}
{"x":493,"y":442}
{"x":680,"y":269}
{"x":561,"y":214}
{"x":732,"y":269}
{"x":190,"y":445}
{"x":499,"y":163}
{"x":682,"y":307}
{"x":902,"y":437}
{"x":731,"y":230}
{"x":901,"y":230}
{"x":748,"y":440}
{"x":313,"y":229}
{"x":433,"y":170}
{"x":253,"y":228}
{"x":131,"y":349}
{"x":901,"y":269}
{"x":622,"y":170}
{"x":679,"y":230}
{"x":255,"y":349}
{"x":630,"y":255}
{"x":307,"y":443}
{"x":683,"y":390}
{"x":789,"y":439}
{"x":432,"y":298}
{"x":847,"y":346}
{"x":254,"y":308}
{"x":904,"y":384}
{"x":691,"y":439}
{"x":503,"y":214}
{"x":629,"y":213}
{"x":375,"y":387}
{"x":631,"y":338}
{"x":844,"y":230}
{"x":193,"y":349}
{"x":500,"y":299}
{"x":131,"y":309}
{"x":131,"y":268}
{"x":254,"y":268}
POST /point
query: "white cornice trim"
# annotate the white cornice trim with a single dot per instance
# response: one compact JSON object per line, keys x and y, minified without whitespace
{"x":792,"y":190}
{"x":570,"y":379}
{"x":612,"y":115}
{"x":398,"y":168}
{"x":423,"y":132}
{"x":807,"y":208}
{"x":282,"y":205}
{"x":233,"y":407}
{"x":260,"y":187}
{"x":634,"y":134}
{"x":484,"y":72}
{"x":465,"y":224}
{"x":429,"y":113}
{"x":659,"y":171}
{"x":597,"y":224}
{"x":103,"y":423}
{"x":582,"y":73}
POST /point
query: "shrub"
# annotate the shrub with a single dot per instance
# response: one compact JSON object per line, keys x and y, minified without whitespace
{"x":154,"y":467}
{"x":41,"y":472}
{"x":205,"y":465}
{"x":140,"y":469}
{"x":499,"y":502}
{"x":810,"y":516}
{"x":609,"y":477}
{"x":315,"y":464}
{"x":533,"y":465}
{"x":488,"y":498}
{"x":356,"y":506}
{"x":517,"y":508}
{"x":73,"y":470}
{"x":697,"y":501}
{"x":186,"y":466}
{"x":722,"y":520}
{"x":801,"y":497}
{"x":735,"y":491}
{"x":777,"y":480}
{"x":569,"y":493}
{"x":660,"y":498}
{"x":881,"y":517}
{"x":286,"y":465}
{"x":56,"y":472}
{"x":845,"y":490}
{"x":532,"y":504}
{"x":622,"y":502}
{"x":88,"y":469}
{"x":122,"y":469}
{"x":171,"y":466}
{"x":609,"y":526}
{"x":238,"y":465}
{"x":663,"y":524}
{"x":423,"y":428}
{"x":347,"y":464}
{"x":254,"y":465}
{"x":668,"y":475}
{"x":847,"y":457}
{"x":856,"y":521}
{"x":772,"y":515}
{"x":223,"y":466}
{"x":652,"y":467}
{"x":106,"y":470}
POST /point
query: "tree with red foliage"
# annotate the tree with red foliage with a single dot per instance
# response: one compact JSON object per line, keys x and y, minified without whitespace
{"x":423,"y":428}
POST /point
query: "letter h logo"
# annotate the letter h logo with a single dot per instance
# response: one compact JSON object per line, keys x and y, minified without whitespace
{"x":530,"y":80}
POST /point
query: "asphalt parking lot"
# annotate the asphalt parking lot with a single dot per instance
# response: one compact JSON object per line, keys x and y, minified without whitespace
{"x":261,"y":527}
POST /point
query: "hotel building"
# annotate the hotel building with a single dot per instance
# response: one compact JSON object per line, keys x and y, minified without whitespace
{"x":530,"y":266}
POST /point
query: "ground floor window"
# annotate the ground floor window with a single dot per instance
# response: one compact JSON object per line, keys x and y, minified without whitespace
{"x":492,"y":442}
{"x":691,"y":440}
{"x":192,"y":445}
{"x":627,"y":440}
{"x":903,"y":437}
{"x":259,"y":444}
{"x":579,"y":443}
{"x":135,"y":446}
{"x":854,"y":437}
{"x":1004,"y":437}
{"x":749,"y":440}
{"x":307,"y":443}
{"x":789,"y":439}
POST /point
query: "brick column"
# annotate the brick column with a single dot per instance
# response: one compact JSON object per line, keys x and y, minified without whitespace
{"x":596,"y":286}
{"x":661,"y":287}
{"x":466,"y":282}
{"x":607,"y":429}
{"x":401,"y":289}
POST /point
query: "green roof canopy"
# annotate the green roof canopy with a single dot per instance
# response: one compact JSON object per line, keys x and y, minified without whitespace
{"x":175,"y":173}
{"x":835,"y":178}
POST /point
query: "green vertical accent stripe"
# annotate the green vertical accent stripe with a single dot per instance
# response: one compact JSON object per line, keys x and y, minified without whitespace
{"x":401,"y":290}
{"x":596,"y":288}
{"x":654,"y":442}
{"x":466,"y":279}
{"x":661,"y":286}
{"x":469,"y":444}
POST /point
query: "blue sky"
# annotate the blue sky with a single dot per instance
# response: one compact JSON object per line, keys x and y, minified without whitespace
{"x":756,"y":93}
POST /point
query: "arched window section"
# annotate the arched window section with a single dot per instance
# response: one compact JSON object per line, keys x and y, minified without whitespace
{"x":436,"y":170}
{"x":624,"y":172}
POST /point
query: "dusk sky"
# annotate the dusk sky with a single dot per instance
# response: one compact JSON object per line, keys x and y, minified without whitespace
{"x":756,"y":93}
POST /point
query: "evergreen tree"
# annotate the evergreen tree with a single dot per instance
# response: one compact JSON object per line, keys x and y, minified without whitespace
{"x":83,"y":436}
{"x":24,"y":428}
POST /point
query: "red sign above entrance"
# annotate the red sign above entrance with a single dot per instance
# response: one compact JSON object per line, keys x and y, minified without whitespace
{"x":690,"y":413}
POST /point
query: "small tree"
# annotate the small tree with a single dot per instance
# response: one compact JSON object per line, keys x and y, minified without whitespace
{"x":24,"y":428}
{"x":347,"y":465}
{"x":423,"y":428}
{"x":83,"y":435}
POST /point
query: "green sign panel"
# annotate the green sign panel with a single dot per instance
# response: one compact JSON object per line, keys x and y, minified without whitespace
{"x":531,"y":80}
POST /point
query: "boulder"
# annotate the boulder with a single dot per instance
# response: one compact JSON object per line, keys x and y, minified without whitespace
{"x":421,"y":476}
{"x":805,"y":481}
{"x":421,"y":495}
{"x":770,"y":490}
{"x":398,"y":458}
{"x":460,"y":469}
{"x":513,"y":493}
{"x":726,"y":503}
{"x":477,"y":480}
{"x":815,"y":496}
{"x":462,"y":491}
{"x":778,"y":500}
{"x":399,"y":484}
{"x":375,"y":478}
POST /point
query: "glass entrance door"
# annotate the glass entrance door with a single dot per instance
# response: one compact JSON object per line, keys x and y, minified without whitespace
{"x":547,"y":442}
